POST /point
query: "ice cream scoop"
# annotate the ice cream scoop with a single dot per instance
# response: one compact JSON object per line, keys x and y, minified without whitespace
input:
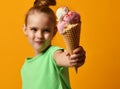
{"x":61,"y":26}
{"x":61,"y":12}
{"x":65,"y":16}
{"x":72,"y":17}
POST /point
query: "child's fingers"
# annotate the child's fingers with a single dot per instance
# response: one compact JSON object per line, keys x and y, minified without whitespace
{"x":82,"y":59}
{"x":78,"y":55}
{"x":83,"y":53}
{"x":78,"y":50}
{"x":74,"y":64}
{"x":77,"y":62}
{"x":74,"y":60}
{"x":75,"y":56}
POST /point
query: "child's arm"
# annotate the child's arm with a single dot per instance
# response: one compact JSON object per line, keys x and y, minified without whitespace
{"x":76,"y":59}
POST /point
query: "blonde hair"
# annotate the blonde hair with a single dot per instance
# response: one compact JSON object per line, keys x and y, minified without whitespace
{"x":42,"y":6}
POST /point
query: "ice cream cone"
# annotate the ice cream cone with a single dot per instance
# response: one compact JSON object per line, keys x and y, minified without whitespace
{"x":71,"y":37}
{"x":69,"y":25}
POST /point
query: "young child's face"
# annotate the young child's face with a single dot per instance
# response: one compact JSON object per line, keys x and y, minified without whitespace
{"x":40,"y":31}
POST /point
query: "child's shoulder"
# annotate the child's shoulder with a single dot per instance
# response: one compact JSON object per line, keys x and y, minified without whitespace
{"x":55,"y":48}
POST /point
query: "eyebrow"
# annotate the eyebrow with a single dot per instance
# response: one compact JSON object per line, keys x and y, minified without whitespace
{"x":42,"y":28}
{"x":33,"y":27}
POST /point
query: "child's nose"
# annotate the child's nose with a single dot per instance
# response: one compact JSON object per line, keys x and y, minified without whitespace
{"x":39,"y":34}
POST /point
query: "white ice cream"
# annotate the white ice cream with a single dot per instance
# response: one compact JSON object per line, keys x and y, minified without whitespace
{"x":61,"y":12}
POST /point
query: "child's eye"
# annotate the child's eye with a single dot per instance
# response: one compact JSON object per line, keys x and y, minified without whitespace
{"x":46,"y":30}
{"x":33,"y":29}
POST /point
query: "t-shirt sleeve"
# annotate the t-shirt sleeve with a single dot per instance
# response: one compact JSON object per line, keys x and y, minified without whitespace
{"x":53,"y":50}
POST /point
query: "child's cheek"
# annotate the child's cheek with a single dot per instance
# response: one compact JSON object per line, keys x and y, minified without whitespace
{"x":47,"y":36}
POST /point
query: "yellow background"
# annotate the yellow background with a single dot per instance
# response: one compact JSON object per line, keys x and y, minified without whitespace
{"x":100,"y":36}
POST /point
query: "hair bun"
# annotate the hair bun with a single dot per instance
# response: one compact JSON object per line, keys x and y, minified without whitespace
{"x":44,"y":2}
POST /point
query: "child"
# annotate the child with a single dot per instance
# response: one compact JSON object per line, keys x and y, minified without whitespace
{"x":49,"y":68}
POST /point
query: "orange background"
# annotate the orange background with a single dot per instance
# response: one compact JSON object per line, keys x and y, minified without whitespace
{"x":100,"y":36}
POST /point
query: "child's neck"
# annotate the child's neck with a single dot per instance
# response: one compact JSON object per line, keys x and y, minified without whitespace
{"x":39,"y":52}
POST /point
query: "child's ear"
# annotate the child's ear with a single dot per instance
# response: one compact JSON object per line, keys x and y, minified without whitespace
{"x":24,"y":29}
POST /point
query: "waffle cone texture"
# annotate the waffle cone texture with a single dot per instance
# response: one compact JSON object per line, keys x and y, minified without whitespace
{"x":71,"y":37}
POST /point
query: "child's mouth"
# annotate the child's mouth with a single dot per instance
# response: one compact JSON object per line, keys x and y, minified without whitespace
{"x":39,"y":42}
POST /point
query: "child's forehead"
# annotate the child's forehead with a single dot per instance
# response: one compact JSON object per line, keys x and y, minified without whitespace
{"x":39,"y":15}
{"x":39,"y":19}
{"x":42,"y":17}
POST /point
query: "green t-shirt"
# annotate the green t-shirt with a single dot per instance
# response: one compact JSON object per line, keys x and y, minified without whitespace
{"x":41,"y":72}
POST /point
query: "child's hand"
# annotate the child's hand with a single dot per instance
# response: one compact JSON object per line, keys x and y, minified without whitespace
{"x":78,"y":57}
{"x":75,"y":60}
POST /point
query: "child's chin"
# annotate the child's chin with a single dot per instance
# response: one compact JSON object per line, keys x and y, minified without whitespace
{"x":40,"y":49}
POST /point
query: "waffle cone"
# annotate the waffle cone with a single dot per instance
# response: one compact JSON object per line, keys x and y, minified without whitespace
{"x":71,"y":37}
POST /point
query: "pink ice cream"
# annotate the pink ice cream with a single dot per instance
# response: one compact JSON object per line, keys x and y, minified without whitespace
{"x":70,"y":17}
